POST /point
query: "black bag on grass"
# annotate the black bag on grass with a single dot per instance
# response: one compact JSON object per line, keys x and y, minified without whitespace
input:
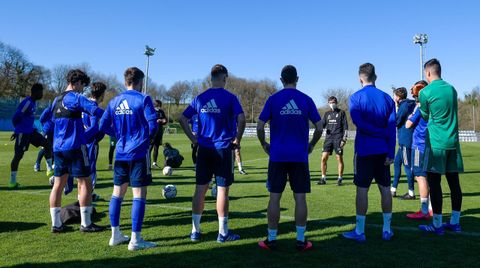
{"x":71,"y":213}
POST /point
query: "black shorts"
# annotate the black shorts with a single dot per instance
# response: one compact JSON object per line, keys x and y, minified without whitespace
{"x":157,"y":139}
{"x":297,"y":174}
{"x":136,"y":172}
{"x":367,"y":168}
{"x":22,"y":141}
{"x":74,"y":162}
{"x":329,"y":145}
{"x":218,"y":162}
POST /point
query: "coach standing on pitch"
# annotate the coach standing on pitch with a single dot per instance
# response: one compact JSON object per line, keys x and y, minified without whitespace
{"x":373,"y":112}
{"x":217,"y":136}
{"x":288,"y":112}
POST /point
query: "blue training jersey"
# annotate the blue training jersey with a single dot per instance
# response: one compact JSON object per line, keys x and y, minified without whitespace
{"x":47,"y":121}
{"x":69,"y":132}
{"x":404,"y":134}
{"x":23,"y":118}
{"x":420,"y":131}
{"x":194,"y":123}
{"x":217,"y":111}
{"x":130,"y":117}
{"x":373,"y":113}
{"x":92,"y":131}
{"x":289,"y":112}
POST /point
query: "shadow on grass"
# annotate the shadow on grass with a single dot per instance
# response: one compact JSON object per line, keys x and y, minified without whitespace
{"x":7,"y":226}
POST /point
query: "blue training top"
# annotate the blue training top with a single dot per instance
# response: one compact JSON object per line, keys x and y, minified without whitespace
{"x":289,"y":112}
{"x":47,"y":121}
{"x":194,"y":123}
{"x":405,"y":109}
{"x":130,"y":117}
{"x":69,"y":131}
{"x":420,"y":131}
{"x":92,"y":131}
{"x":217,"y":111}
{"x":373,"y":113}
{"x":23,"y":118}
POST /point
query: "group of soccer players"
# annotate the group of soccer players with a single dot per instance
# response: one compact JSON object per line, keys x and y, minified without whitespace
{"x":132,"y":121}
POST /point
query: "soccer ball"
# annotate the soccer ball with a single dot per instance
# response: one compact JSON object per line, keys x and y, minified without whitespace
{"x":52,"y":180}
{"x":214,"y":191}
{"x":169,"y":191}
{"x":167,"y":171}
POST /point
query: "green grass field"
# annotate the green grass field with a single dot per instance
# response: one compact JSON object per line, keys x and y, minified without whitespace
{"x":25,"y":238}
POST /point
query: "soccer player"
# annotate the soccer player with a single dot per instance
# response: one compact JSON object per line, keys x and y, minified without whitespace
{"x":335,"y":122}
{"x":217,"y":136}
{"x":70,"y":150}
{"x":403,"y":156}
{"x":288,"y":112}
{"x":111,"y":150}
{"x":130,"y":117}
{"x":238,"y":160}
{"x":25,"y":134}
{"x":157,"y":140}
{"x":416,"y":122}
{"x":373,"y":113}
{"x":438,"y":105}
{"x":47,"y":129}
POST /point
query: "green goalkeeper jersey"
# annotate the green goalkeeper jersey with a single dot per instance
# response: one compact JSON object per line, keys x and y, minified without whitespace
{"x":438,"y":104}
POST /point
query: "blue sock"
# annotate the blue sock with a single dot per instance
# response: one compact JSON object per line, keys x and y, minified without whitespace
{"x":455,"y":219}
{"x":114,"y":210}
{"x":272,"y":234}
{"x":138,"y":212}
{"x":360,"y":226}
{"x":387,"y":220}
{"x":301,"y":233}
{"x":437,"y":220}
{"x":424,"y":203}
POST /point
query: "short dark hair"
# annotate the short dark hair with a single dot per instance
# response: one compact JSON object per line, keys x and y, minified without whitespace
{"x":133,"y":76}
{"x":36,"y":87}
{"x":401,"y":92}
{"x":98,"y":89}
{"x":289,"y":74}
{"x":76,"y":75}
{"x":332,"y":98}
{"x":159,"y":102}
{"x":367,"y":70}
{"x":218,"y":70}
{"x":434,"y":66}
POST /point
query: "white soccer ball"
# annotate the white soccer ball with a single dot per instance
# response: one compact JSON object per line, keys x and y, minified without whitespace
{"x":169,"y":191}
{"x":52,"y":180}
{"x":214,"y":191}
{"x":167,"y":171}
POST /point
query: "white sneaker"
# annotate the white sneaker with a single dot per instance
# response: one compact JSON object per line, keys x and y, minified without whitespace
{"x":119,"y":239}
{"x":140,"y":244}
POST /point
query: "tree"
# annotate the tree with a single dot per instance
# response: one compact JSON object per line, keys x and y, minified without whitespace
{"x":179,"y":92}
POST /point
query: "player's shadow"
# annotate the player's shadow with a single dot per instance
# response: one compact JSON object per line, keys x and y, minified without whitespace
{"x":7,"y":226}
{"x":28,"y":187}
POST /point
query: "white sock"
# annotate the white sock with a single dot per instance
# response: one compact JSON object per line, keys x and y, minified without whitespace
{"x":437,"y":220}
{"x":340,"y":178}
{"x":13,"y":177}
{"x":429,"y":204}
{"x":136,"y":236}
{"x":240,"y":166}
{"x":272,"y":234}
{"x":424,"y":205}
{"x":49,"y":164}
{"x":85,"y":213}
{"x":455,"y":219}
{"x":116,"y":231}
{"x":223,"y":225}
{"x":387,"y":220}
{"x":393,"y":189}
{"x":154,"y":163}
{"x":196,"y":223}
{"x":324,"y":177}
{"x":55,"y":215}
{"x":411,"y":193}
{"x":301,"y":233}
{"x":360,"y":225}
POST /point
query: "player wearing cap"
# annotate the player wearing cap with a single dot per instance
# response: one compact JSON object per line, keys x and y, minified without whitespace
{"x":221,"y":123}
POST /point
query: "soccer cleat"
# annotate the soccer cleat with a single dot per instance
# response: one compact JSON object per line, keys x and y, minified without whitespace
{"x":407,"y":197}
{"x":95,"y":197}
{"x":63,"y":228}
{"x":13,"y":186}
{"x":36,"y":167}
{"x":92,"y":228}
{"x":118,"y":239}
{"x":354,"y":236}
{"x":452,"y":227}
{"x":322,"y":181}
{"x":155,"y":165}
{"x":229,"y":237}
{"x":339,"y":182}
{"x":387,"y":236}
{"x":49,"y":172}
{"x":432,"y":229}
{"x":268,"y":245}
{"x":243,"y":172}
{"x":140,"y":244}
{"x":418,"y":216}
{"x":195,"y":236}
{"x":304,"y":245}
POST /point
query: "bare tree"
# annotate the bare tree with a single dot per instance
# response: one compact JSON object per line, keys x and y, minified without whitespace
{"x":179,"y":92}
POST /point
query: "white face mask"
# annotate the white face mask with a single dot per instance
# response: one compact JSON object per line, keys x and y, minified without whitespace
{"x":333,"y":106}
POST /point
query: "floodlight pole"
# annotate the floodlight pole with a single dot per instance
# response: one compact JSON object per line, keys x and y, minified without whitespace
{"x":421,"y":39}
{"x":148,"y":52}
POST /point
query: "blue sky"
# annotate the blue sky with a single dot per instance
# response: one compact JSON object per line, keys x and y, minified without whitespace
{"x":325,"y":40}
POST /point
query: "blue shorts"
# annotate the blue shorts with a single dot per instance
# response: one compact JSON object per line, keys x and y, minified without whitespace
{"x":74,"y":162}
{"x":297,"y":173}
{"x":218,"y":162}
{"x":367,"y":168}
{"x":136,"y":172}
{"x":417,"y":163}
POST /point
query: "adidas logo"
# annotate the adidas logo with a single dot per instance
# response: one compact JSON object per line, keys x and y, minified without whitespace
{"x":123,"y":108}
{"x":290,"y":108}
{"x":210,"y":107}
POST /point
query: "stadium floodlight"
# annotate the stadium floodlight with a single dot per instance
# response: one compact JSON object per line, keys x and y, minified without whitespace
{"x":421,"y":39}
{"x":148,"y":52}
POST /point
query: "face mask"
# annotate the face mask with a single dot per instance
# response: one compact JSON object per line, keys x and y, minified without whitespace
{"x":333,"y":106}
